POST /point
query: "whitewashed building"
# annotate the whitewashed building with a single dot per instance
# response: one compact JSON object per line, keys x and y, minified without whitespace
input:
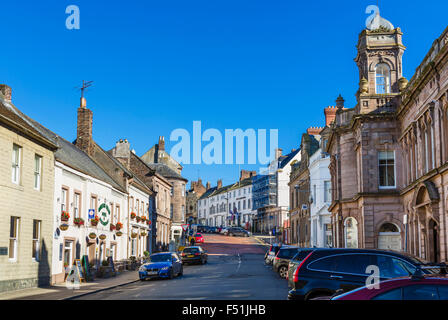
{"x":320,"y":190}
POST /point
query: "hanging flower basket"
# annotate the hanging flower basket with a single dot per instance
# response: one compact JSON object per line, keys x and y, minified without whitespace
{"x":78,"y":221}
{"x":112,"y":227}
{"x":102,"y":237}
{"x":119,"y":234}
{"x":138,"y":219}
{"x":63,"y":227}
{"x":65,"y":216}
{"x":133,"y":215}
{"x":92,"y":235}
{"x":134,"y":235}
{"x":119,"y":226}
{"x":148,"y":222}
{"x":143,"y":234}
{"x":94,"y":221}
{"x":143,"y":218}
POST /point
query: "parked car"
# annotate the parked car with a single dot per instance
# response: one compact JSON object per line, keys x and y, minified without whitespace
{"x":296,"y":260}
{"x":416,"y":287}
{"x":198,"y":238}
{"x":194,"y":254}
{"x":224,"y":230}
{"x":281,"y":261}
{"x":161,"y":265}
{"x":271,"y":253}
{"x":237,"y":231}
{"x":322,"y":272}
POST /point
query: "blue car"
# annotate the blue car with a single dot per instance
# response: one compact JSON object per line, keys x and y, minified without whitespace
{"x":161,"y":265}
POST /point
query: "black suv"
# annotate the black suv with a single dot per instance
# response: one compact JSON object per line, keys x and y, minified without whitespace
{"x":323,"y":272}
{"x":237,"y":231}
{"x":281,"y":260}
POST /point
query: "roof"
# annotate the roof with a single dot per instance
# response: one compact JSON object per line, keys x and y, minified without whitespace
{"x":165,"y":171}
{"x":71,"y":156}
{"x":284,"y":160}
{"x":13,"y":117}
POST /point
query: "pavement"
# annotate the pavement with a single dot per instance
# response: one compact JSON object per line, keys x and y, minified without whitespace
{"x":61,"y":292}
{"x":235,"y":270}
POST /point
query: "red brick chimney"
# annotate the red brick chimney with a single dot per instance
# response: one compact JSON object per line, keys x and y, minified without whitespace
{"x":84,"y":140}
{"x":208,"y":186}
{"x":244,"y":174}
{"x":312,"y":131}
{"x":330,"y":115}
{"x":219,"y":185}
{"x":6,"y":92}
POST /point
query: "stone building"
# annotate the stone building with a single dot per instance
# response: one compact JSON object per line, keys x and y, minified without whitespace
{"x":299,"y":188}
{"x":197,"y":189}
{"x":26,"y":199}
{"x":388,"y":152}
{"x":163,"y":164}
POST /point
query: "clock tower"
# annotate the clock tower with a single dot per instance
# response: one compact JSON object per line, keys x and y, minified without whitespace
{"x":379,"y":60}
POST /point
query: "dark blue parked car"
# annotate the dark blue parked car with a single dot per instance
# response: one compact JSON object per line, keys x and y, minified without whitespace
{"x":161,"y":265}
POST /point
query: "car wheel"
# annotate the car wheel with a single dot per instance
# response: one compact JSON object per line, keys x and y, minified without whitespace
{"x":283,"y":272}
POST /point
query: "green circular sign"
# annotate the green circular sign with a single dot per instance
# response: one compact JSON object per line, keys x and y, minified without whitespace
{"x":104,"y":214}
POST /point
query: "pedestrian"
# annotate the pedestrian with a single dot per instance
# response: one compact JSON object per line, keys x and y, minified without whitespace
{"x":192,"y":241}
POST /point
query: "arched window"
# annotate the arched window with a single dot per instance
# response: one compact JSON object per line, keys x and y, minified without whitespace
{"x":389,"y":237}
{"x":351,"y":233}
{"x":382,"y":78}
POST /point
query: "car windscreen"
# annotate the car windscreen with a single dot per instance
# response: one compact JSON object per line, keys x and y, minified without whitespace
{"x":287,"y":253}
{"x":160,"y":258}
{"x":191,"y":250}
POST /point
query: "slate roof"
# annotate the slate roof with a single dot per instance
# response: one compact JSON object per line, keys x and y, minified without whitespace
{"x":14,"y":117}
{"x":284,"y":160}
{"x":165,"y":171}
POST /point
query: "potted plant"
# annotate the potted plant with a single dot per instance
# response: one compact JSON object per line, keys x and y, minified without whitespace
{"x":134,"y":235}
{"x":148,"y":222}
{"x":102,"y":236}
{"x":63,"y":227}
{"x":94,"y":221}
{"x":92,"y":235}
{"x":138,"y":219}
{"x":143,"y":233}
{"x":119,"y":234}
{"x":112,"y":227}
{"x":144,"y":219}
{"x":65,"y":216}
{"x":119,"y":226}
{"x":133,"y":215}
{"x":78,"y":221}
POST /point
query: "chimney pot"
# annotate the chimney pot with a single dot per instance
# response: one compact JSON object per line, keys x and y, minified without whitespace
{"x":6,"y":92}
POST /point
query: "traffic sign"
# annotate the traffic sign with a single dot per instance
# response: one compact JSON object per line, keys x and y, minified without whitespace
{"x":185,"y":227}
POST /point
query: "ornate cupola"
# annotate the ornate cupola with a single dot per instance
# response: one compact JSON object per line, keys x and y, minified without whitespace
{"x":379,"y":60}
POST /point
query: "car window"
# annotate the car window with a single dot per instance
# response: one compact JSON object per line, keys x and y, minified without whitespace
{"x":353,"y":263}
{"x":394,"y":294}
{"x":286,"y":253}
{"x":443,"y":292}
{"x":191,"y":250}
{"x":301,"y":255}
{"x":324,"y":264}
{"x":392,"y":267}
{"x":420,"y":292}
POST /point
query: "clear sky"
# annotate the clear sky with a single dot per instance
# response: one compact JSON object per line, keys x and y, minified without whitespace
{"x":160,"y":65}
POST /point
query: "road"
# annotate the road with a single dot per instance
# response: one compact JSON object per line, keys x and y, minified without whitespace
{"x":235,"y":271}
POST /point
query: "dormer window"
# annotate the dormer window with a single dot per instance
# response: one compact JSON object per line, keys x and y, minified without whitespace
{"x":382,"y":78}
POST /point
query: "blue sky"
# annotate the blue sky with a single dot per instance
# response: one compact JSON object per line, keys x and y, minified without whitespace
{"x":160,"y":65}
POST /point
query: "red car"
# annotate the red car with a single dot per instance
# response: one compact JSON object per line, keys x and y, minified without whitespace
{"x":422,"y":287}
{"x":198,"y":238}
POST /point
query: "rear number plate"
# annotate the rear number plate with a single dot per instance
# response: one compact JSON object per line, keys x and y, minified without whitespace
{"x":191,"y":256}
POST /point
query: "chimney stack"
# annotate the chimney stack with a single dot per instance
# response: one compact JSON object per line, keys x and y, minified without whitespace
{"x":244,"y":174}
{"x":6,"y":92}
{"x":278,"y":153}
{"x":161,"y":143}
{"x":340,"y":102}
{"x":219,"y":185}
{"x":330,"y":115}
{"x":208,"y":186}
{"x":84,"y":140}
{"x":313,"y":131}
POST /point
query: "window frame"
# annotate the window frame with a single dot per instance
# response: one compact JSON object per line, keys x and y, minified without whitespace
{"x":14,"y":238}
{"x":379,"y":171}
{"x":36,"y":240}
{"x":386,"y":86}
{"x":16,"y":164}
{"x":38,"y":174}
